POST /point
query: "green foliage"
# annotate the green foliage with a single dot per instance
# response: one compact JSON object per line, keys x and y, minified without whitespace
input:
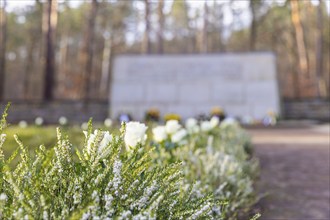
{"x":209,"y":174}
{"x":98,"y":183}
{"x":221,"y":162}
{"x":3,"y":122}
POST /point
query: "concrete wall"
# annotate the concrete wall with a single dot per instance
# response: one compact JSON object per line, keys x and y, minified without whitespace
{"x":243,"y":84}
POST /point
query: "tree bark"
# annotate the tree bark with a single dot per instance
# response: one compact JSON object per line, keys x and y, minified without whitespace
{"x":106,"y":60}
{"x":29,"y":66}
{"x":321,"y":90}
{"x":299,"y":38}
{"x":3,"y":42}
{"x":146,"y":45}
{"x":217,"y":43}
{"x":49,"y":80}
{"x":62,"y":72}
{"x":87,"y":52}
{"x":161,"y":26}
{"x":204,"y":40}
{"x":253,"y":28}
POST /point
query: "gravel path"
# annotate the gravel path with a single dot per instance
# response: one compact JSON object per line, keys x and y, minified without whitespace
{"x":295,"y":171}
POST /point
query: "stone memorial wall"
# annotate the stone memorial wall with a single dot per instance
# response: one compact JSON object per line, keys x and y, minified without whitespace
{"x":242,"y":84}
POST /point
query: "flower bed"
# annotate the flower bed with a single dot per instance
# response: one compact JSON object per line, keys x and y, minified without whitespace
{"x":217,"y":157}
{"x":201,"y":171}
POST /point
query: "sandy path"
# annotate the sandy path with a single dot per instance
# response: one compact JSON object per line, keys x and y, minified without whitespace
{"x":295,"y":169}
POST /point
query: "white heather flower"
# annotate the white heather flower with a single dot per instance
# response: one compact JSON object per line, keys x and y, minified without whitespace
{"x":21,"y":196}
{"x":108,"y":200}
{"x":45,"y":215}
{"x":172,"y":126}
{"x":62,"y":120}
{"x":209,"y":147}
{"x":214,"y":121}
{"x":86,"y":216}
{"x":178,"y":136}
{"x":192,"y":126}
{"x":135,"y":133}
{"x":117,"y":175}
{"x":199,"y":212}
{"x":126,"y":214}
{"x":228,"y":122}
{"x":84,"y":126}
{"x":39,"y":121}
{"x":23,"y":124}
{"x":91,"y":139}
{"x":216,"y":210}
{"x":2,"y":138}
{"x":206,"y":126}
{"x":77,"y":197}
{"x":143,"y":201}
{"x":106,"y":139}
{"x":94,"y":194}
{"x":107,"y":122}
{"x":194,"y":130}
{"x":159,"y":133}
{"x":3,"y":197}
{"x":191,"y":122}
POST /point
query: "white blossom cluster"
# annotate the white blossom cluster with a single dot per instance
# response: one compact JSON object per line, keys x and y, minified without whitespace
{"x":215,"y":154}
{"x":172,"y":131}
{"x":135,"y":134}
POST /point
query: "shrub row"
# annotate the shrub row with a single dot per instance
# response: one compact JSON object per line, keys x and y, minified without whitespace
{"x":203,"y":170}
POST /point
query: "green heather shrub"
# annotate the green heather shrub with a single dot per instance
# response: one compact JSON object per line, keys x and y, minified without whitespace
{"x":203,"y":170}
{"x":107,"y":179}
{"x":216,"y":155}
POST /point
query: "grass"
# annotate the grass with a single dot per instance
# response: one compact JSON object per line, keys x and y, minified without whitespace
{"x":34,"y":136}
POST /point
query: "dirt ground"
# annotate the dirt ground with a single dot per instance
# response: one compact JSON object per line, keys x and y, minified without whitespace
{"x":295,"y":169}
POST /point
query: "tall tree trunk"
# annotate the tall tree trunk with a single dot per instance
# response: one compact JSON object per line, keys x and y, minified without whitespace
{"x":3,"y":42}
{"x":292,"y":58}
{"x":29,"y":66}
{"x":160,"y":26}
{"x":87,"y":52}
{"x":36,"y":85}
{"x":299,"y":38}
{"x":217,"y":43}
{"x":253,"y":28}
{"x":49,"y":82}
{"x":106,"y":70}
{"x":321,"y":87}
{"x":62,"y":72}
{"x":191,"y":38}
{"x":146,"y":45}
{"x":204,"y":40}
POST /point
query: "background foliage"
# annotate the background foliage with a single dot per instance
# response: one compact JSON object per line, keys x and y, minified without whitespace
{"x":67,"y":49}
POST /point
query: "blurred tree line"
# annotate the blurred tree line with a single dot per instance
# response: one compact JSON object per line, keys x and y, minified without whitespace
{"x":53,"y":50}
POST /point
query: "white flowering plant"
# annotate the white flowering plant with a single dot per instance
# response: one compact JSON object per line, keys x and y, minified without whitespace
{"x":219,"y":157}
{"x":110,"y":177}
{"x":169,"y":136}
